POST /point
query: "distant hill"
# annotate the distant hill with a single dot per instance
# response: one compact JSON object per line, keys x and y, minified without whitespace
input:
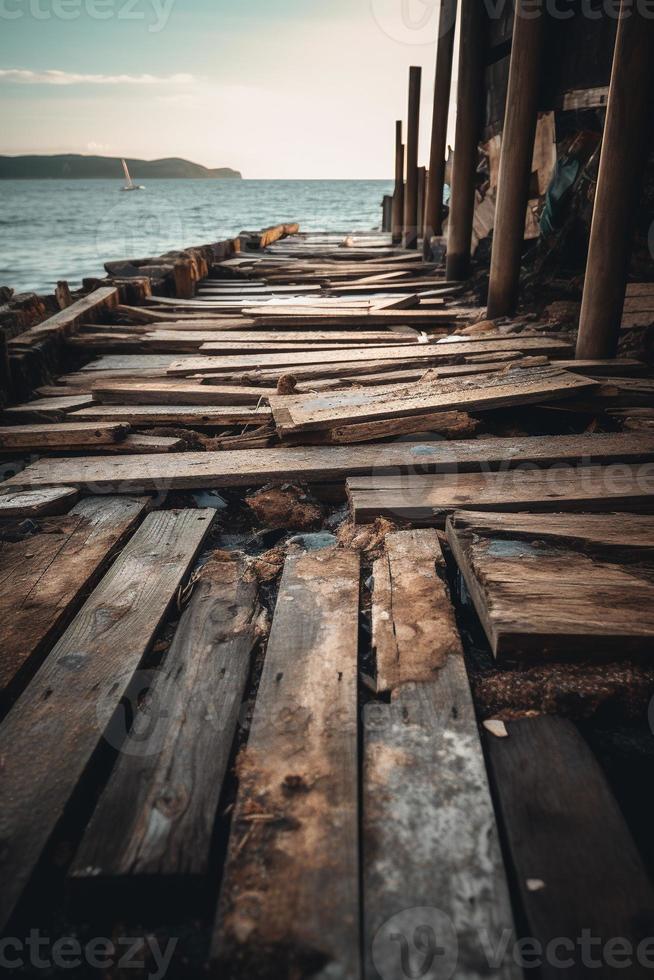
{"x":74,"y":166}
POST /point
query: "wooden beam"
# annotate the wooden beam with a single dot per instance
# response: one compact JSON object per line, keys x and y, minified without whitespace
{"x":426,"y":800}
{"x":397,"y":215}
{"x":442,"y":87}
{"x":622,"y":163}
{"x":410,"y":231}
{"x":468,"y":124}
{"x":290,"y":893}
{"x":520,"y":117}
{"x":314,"y":464}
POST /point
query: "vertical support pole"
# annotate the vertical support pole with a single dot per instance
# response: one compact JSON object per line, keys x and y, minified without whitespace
{"x":442,"y":88}
{"x":469,"y":103}
{"x":387,"y":206}
{"x":410,"y":237}
{"x":422,"y":185}
{"x":520,"y":118}
{"x":398,"y":194}
{"x":622,"y":163}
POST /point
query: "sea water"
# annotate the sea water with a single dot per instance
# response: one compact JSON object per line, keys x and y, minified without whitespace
{"x":67,"y":229}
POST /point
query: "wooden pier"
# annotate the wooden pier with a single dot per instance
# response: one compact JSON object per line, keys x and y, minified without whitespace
{"x":268,"y":543}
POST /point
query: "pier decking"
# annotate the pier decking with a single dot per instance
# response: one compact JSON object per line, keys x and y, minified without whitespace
{"x":267,"y":546}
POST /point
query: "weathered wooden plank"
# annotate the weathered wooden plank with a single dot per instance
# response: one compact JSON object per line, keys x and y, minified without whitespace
{"x":546,"y":600}
{"x":59,"y":720}
{"x":620,"y":533}
{"x":140,"y":443}
{"x":166,"y":392}
{"x":431,"y":853}
{"x":176,"y":414}
{"x":40,"y":409}
{"x":80,"y":435}
{"x":452,"y":425}
{"x":317,"y":463}
{"x":290,"y":894}
{"x":295,"y":413}
{"x":428,"y":353}
{"x":36,"y":503}
{"x":43,"y":578}
{"x":65,"y":320}
{"x":428,"y":500}
{"x":156,"y":815}
{"x":579,"y":874}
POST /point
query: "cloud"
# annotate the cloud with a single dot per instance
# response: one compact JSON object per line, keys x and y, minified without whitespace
{"x":55,"y":77}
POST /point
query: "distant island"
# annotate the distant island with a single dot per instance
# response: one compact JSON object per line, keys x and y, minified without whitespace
{"x":75,"y":166}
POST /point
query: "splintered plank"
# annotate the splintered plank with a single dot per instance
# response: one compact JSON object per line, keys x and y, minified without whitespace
{"x":43,"y":578}
{"x":576,"y":865}
{"x":318,"y":463}
{"x":522,"y":386}
{"x":431,"y":852}
{"x":429,"y":499}
{"x":546,"y":599}
{"x":176,"y":414}
{"x":78,"y":435}
{"x":156,"y":815}
{"x":624,"y":534}
{"x":139,"y":443}
{"x":36,"y":503}
{"x":429,"y":353}
{"x":58,"y":722}
{"x":290,"y":894}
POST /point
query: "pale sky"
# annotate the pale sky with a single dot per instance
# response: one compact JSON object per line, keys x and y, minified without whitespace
{"x":274,"y":88}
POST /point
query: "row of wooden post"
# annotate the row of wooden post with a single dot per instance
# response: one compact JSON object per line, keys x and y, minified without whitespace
{"x":622,"y":162}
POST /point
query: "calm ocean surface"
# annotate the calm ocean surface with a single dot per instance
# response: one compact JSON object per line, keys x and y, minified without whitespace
{"x":67,"y":229}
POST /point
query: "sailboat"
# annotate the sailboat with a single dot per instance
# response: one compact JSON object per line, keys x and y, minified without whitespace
{"x":129,"y":183}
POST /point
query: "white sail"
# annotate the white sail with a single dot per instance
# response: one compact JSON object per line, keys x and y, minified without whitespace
{"x":128,"y":179}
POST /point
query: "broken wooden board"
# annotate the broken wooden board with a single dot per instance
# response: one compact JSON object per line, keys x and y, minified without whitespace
{"x":42,"y":409}
{"x":60,"y":719}
{"x":450,"y":425}
{"x":43,"y":577}
{"x":138,"y":442}
{"x":201,"y":415}
{"x":319,"y":463}
{"x":427,"y":353}
{"x":620,"y":534}
{"x":64,"y":322}
{"x":290,"y":891}
{"x":155,"y":818}
{"x":169,"y":391}
{"x":547,"y":600}
{"x":296,"y":413}
{"x":36,"y":503}
{"x":577,"y":869}
{"x":428,"y":500}
{"x":73,"y":435}
{"x":431,"y":850}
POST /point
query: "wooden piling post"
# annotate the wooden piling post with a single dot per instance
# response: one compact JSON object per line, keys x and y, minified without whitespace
{"x":469,"y":103}
{"x":520,"y":118}
{"x":410,"y":235}
{"x":619,"y":180}
{"x":442,"y":87}
{"x":387,"y":206}
{"x":422,"y":187}
{"x":398,"y":194}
